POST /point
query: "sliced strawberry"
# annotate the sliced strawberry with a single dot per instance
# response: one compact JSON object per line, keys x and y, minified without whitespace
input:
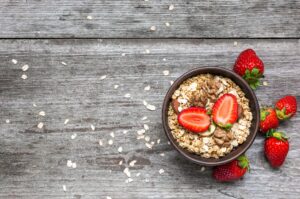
{"x":225,"y":111}
{"x":194,"y":119}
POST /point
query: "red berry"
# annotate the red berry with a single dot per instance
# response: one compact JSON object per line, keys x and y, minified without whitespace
{"x":225,"y":111}
{"x":268,"y":120}
{"x":250,"y":67}
{"x":194,"y":119}
{"x":276,"y":148}
{"x":232,"y":171}
{"x":286,"y":107}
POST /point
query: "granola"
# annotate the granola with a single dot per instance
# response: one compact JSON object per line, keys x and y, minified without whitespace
{"x":203,"y":90}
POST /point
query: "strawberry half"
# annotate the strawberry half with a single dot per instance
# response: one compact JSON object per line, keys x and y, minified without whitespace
{"x":231,"y":171}
{"x":194,"y":119}
{"x":225,"y":111}
{"x":286,"y":107}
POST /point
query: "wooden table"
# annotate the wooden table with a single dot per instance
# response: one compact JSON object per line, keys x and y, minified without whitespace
{"x":78,"y":51}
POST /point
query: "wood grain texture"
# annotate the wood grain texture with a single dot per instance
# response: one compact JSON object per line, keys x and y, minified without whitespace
{"x":33,"y":162}
{"x":133,"y":19}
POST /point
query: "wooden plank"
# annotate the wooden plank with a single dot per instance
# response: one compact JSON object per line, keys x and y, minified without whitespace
{"x":33,"y":162}
{"x":133,"y":19}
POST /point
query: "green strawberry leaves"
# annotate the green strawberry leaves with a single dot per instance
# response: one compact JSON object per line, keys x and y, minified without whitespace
{"x":276,"y":134}
{"x":252,"y":77}
{"x":281,"y":114}
{"x":243,"y":162}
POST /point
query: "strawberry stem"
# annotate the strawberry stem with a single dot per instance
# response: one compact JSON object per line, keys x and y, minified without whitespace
{"x":252,"y":77}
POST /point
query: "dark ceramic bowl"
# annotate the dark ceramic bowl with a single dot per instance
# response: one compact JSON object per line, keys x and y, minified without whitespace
{"x":239,"y":150}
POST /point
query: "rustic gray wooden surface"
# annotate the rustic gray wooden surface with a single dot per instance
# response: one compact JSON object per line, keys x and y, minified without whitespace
{"x":33,"y":162}
{"x":133,"y":18}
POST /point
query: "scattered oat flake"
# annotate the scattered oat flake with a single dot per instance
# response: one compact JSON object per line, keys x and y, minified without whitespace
{"x":103,"y":77}
{"x":144,"y":118}
{"x":167,"y":24}
{"x":132,"y":163}
{"x":120,"y":149}
{"x":265,"y":83}
{"x":140,"y":137}
{"x":116,"y":86}
{"x":127,"y":172}
{"x":162,"y":154}
{"x":138,"y":174}
{"x":64,"y":188}
{"x":112,"y":134}
{"x":164,"y":59}
{"x":152,"y":28}
{"x":161,"y":171}
{"x":158,"y":141}
{"x":148,"y":145}
{"x":7,"y":121}
{"x":14,"y":61}
{"x":171,"y":82}
{"x":25,"y":67}
{"x":74,"y":165}
{"x":202,"y":169}
{"x":169,"y":143}
{"x":92,"y":127}
{"x":146,"y":127}
{"x":147,"y":138}
{"x":89,"y":17}
{"x":145,"y":103}
{"x":121,"y":162}
{"x":73,"y":136}
{"x":108,"y":197}
{"x":127,"y":95}
{"x":171,"y":7}
{"x":66,"y":121}
{"x":42,"y":113}
{"x":100,"y":143}
{"x":166,"y":72}
{"x":33,"y":104}
{"x":64,"y":63}
{"x":147,"y":51}
{"x":128,"y":180}
{"x":110,"y":142}
{"x":125,"y":131}
{"x":147,"y":88}
{"x":141,"y":131}
{"x":24,"y":76}
{"x":235,"y":43}
{"x":152,"y":142}
{"x":151,"y":107}
{"x":40,"y":125}
{"x":123,"y":54}
{"x":69,"y":163}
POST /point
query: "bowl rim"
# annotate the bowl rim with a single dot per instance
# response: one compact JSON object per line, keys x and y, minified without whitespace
{"x":204,"y":70}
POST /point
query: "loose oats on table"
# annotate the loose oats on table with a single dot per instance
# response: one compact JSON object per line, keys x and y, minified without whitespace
{"x":203,"y":91}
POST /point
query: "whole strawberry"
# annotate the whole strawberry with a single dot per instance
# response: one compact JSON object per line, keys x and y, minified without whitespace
{"x":231,"y":171}
{"x":276,"y":148}
{"x":286,"y":107}
{"x":250,"y":67}
{"x":268,"y":119}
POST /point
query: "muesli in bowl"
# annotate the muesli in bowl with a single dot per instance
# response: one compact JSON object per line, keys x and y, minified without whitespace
{"x":209,"y":115}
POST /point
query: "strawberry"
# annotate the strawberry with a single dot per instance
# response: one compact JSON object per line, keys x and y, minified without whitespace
{"x":286,"y":107}
{"x":231,"y":171}
{"x":250,"y":67}
{"x":194,"y":119}
{"x":276,"y":148}
{"x":225,"y":111}
{"x":268,"y":119}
